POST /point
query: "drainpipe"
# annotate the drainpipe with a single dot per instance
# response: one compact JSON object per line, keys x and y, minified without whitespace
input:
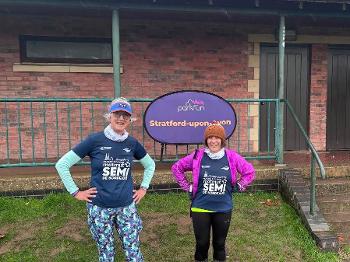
{"x":280,"y":105}
{"x":116,"y":52}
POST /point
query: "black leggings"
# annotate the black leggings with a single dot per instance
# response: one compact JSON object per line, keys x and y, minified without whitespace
{"x":202,"y":223}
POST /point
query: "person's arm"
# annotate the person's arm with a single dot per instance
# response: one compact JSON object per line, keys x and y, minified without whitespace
{"x":63,"y":166}
{"x":247,"y":172}
{"x":179,"y":169}
{"x":148,"y":163}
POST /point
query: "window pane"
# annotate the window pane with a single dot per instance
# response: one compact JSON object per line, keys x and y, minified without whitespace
{"x":55,"y":49}
{"x":68,"y":50}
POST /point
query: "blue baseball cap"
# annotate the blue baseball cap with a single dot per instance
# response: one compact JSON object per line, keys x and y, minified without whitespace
{"x":121,"y":106}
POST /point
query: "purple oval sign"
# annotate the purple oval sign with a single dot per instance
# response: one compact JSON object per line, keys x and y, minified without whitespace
{"x":181,"y":117}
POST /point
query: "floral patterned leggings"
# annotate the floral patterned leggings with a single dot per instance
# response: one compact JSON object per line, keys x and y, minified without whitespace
{"x":126,"y":220}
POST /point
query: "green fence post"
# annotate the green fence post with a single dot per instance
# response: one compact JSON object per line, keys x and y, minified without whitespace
{"x":313,"y":186}
{"x":7,"y":134}
{"x":45,"y":130}
{"x":277,"y":131}
{"x":280,"y":121}
{"x":32,"y":131}
{"x":57,"y":131}
{"x":19,"y":132}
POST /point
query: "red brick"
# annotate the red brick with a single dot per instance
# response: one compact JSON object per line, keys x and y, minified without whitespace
{"x":318,"y":96}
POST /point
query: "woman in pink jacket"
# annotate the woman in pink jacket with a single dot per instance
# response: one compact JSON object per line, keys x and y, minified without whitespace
{"x":214,"y":178}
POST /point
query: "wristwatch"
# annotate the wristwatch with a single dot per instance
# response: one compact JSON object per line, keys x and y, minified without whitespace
{"x":144,"y":188}
{"x":75,"y":193}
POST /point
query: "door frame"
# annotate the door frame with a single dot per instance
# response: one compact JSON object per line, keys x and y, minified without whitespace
{"x":307,"y":48}
{"x":331,"y":48}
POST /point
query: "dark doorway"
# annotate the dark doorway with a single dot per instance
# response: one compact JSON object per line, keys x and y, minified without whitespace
{"x":296,"y":91}
{"x":338,"y":100}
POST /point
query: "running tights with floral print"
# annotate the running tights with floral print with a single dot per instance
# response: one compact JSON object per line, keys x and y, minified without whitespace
{"x":128,"y":224}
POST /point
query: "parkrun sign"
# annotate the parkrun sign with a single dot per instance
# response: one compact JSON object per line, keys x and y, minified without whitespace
{"x":181,"y":117}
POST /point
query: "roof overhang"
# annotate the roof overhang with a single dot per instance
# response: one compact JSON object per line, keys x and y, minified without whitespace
{"x":316,"y":8}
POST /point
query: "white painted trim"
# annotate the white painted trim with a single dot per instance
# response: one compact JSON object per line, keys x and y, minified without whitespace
{"x":64,"y":68}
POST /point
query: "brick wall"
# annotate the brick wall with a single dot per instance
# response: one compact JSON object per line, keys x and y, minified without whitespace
{"x":318,"y":96}
{"x":180,"y":56}
{"x":156,"y":58}
{"x":34,"y":84}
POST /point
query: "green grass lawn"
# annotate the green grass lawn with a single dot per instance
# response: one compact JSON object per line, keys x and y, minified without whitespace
{"x":263,"y":228}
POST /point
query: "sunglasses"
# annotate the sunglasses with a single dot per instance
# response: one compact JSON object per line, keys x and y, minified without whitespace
{"x":122,"y":114}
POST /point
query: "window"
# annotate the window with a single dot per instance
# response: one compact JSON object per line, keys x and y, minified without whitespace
{"x":47,"y":49}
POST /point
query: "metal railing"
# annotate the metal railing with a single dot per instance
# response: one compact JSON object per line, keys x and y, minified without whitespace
{"x":38,"y":131}
{"x":314,"y":157}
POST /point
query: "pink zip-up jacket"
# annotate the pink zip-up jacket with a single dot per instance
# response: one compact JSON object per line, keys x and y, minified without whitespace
{"x":193,"y":161}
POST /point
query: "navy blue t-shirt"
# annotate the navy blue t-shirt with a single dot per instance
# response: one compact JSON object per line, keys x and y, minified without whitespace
{"x":111,"y":164}
{"x":214,"y":186}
